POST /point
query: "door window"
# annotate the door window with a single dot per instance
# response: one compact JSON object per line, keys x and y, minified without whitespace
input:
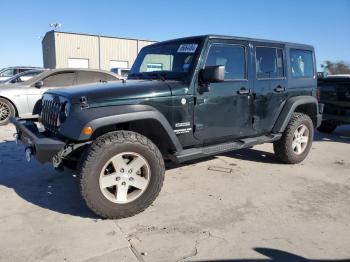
{"x":62,"y":79}
{"x":93,"y":77}
{"x":232,"y":57}
{"x":269,"y":62}
{"x":302,"y":63}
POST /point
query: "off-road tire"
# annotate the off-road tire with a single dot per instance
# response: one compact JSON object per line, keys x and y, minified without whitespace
{"x":11,"y":111}
{"x":283,"y":147}
{"x":95,"y":157}
{"x":327,"y":126}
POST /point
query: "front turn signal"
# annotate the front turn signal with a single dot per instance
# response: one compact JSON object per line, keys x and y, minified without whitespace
{"x":87,"y":130}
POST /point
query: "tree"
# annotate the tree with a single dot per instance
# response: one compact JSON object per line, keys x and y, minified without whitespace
{"x":335,"y":68}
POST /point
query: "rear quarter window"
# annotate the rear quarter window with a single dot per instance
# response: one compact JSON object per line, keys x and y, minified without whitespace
{"x":302,"y":63}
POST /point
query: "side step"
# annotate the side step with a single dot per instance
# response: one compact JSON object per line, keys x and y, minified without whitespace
{"x":199,"y":152}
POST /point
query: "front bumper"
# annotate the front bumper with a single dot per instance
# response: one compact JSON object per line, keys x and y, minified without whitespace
{"x":43,"y":148}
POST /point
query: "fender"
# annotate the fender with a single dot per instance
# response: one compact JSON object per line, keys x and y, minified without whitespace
{"x":289,"y":108}
{"x":105,"y":116}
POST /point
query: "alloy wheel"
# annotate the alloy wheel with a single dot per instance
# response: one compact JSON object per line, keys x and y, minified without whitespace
{"x":124,"y":177}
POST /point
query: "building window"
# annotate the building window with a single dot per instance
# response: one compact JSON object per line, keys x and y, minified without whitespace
{"x":302,"y":63}
{"x":154,"y":67}
{"x":269,"y":62}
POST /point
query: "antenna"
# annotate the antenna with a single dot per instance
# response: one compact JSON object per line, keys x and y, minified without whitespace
{"x":55,"y":26}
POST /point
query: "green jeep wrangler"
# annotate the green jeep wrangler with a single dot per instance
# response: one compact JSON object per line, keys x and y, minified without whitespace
{"x":184,"y":99}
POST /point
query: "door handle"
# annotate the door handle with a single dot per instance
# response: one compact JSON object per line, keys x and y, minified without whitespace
{"x":243,"y":91}
{"x":279,"y":89}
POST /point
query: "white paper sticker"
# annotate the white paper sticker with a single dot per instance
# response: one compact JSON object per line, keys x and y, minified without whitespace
{"x":187,"y":48}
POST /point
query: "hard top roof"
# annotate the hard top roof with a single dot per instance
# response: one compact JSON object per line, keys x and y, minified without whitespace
{"x":225,"y":37}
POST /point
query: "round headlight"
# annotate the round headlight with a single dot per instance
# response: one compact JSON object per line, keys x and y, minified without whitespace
{"x":64,"y":112}
{"x":67,"y":109}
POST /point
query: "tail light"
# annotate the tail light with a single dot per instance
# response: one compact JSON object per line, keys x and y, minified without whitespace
{"x":318,"y":93}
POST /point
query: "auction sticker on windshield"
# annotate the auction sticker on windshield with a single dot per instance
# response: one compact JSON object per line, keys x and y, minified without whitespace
{"x":187,"y":48}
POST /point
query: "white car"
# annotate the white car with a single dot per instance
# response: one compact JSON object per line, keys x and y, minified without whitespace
{"x":23,"y":100}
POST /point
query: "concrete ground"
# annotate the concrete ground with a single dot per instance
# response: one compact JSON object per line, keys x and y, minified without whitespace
{"x":240,"y":206}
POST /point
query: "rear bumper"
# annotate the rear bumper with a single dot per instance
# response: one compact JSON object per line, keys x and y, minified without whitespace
{"x":339,"y":118}
{"x":43,"y":148}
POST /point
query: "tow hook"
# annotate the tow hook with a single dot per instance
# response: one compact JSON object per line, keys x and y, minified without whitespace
{"x":29,"y":153}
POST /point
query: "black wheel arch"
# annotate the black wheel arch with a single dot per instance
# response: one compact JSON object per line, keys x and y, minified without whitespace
{"x":301,"y":104}
{"x":143,"y":119}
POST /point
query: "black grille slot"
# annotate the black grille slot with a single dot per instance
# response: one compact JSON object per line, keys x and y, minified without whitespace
{"x":51,"y":107}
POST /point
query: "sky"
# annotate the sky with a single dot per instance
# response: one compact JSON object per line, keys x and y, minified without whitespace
{"x":323,"y":24}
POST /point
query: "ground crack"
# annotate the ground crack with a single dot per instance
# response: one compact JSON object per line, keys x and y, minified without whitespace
{"x":193,"y":253}
{"x":133,"y":249}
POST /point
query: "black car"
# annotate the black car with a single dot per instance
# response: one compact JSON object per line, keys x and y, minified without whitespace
{"x":334,"y":93}
{"x":184,"y":99}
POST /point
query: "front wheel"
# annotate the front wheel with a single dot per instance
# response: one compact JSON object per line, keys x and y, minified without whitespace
{"x":121,"y":174}
{"x":296,"y":140}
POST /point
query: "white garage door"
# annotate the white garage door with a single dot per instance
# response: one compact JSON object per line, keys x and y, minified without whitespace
{"x":78,"y":63}
{"x":118,"y":64}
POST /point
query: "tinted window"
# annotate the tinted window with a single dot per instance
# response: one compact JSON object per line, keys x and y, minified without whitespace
{"x":269,"y":62}
{"x":61,"y":79}
{"x":8,"y":73}
{"x":302,"y":63}
{"x":93,"y":77}
{"x":230,"y":56}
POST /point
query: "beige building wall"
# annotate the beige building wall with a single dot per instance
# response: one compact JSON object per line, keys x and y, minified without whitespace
{"x":59,"y":47}
{"x":114,"y":49}
{"x":76,"y":46}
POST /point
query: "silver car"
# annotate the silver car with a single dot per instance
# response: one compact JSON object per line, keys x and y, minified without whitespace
{"x":20,"y":99}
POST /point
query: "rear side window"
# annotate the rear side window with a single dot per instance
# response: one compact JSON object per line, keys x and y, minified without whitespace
{"x":269,"y":62}
{"x":302,"y":63}
{"x":61,"y":79}
{"x":230,"y":56}
{"x":93,"y":77}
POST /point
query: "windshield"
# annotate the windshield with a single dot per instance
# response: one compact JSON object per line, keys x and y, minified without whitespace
{"x":169,"y":60}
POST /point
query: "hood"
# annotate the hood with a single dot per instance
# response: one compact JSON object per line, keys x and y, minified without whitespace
{"x":116,"y":90}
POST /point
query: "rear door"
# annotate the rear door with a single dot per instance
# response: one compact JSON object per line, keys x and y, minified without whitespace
{"x":270,"y":85}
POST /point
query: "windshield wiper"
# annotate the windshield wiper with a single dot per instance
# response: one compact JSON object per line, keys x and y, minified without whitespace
{"x":135,"y":75}
{"x":160,"y":76}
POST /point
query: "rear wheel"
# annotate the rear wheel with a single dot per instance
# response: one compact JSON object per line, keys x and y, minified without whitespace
{"x":6,"y":111}
{"x":327,"y":126}
{"x":121,"y":174}
{"x":296,"y":140}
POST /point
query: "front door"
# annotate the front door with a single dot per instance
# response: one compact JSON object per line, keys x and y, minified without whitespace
{"x":224,"y":112}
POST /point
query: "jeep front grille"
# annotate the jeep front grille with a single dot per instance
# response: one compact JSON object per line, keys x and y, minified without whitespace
{"x":51,"y":108}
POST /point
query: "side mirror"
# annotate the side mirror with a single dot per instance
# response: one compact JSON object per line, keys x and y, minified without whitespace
{"x":210,"y":74}
{"x":39,"y":84}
